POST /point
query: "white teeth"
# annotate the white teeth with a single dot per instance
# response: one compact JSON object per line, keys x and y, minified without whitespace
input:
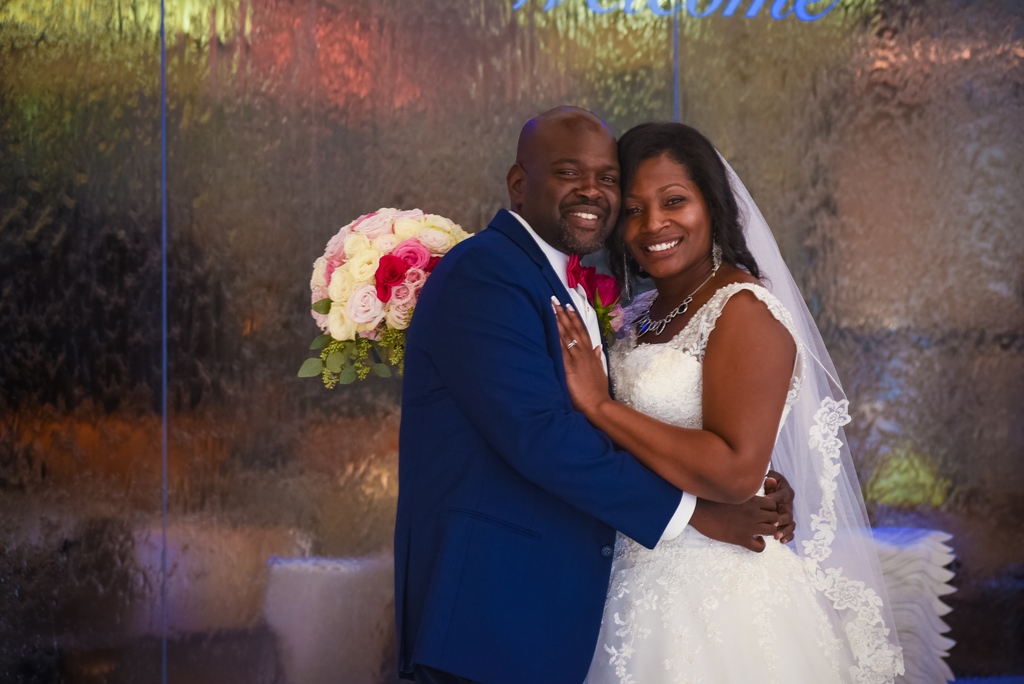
{"x":588,"y":217}
{"x":662,"y":246}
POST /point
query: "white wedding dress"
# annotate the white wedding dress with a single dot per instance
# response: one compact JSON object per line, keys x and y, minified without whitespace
{"x":694,"y":609}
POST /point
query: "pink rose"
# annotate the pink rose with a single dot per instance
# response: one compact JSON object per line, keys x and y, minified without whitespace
{"x":403,"y":294}
{"x":335,"y":251}
{"x":318,"y":288}
{"x":406,"y":214}
{"x":373,"y":225}
{"x":321,"y":319}
{"x":607,"y":290}
{"x":415,"y":277}
{"x":364,"y":308}
{"x":616,"y":315}
{"x":412,"y":252}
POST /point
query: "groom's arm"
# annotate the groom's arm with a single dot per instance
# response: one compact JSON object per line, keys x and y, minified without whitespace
{"x":489,"y":344}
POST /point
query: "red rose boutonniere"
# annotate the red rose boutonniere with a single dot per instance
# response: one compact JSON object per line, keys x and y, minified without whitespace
{"x":604,"y":294}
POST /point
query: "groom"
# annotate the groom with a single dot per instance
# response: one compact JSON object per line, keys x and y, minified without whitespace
{"x":508,"y":499}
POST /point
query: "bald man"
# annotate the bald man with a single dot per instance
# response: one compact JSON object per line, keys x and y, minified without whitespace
{"x":509,"y":500}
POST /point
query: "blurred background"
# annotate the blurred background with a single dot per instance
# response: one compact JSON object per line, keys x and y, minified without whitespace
{"x":884,"y":142}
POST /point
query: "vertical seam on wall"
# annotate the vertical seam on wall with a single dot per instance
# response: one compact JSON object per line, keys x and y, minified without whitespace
{"x":676,"y":94}
{"x":163,"y":342}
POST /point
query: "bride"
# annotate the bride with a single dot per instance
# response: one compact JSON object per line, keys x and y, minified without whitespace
{"x":719,"y":373}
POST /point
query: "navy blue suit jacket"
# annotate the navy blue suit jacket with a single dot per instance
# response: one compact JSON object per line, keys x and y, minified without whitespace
{"x":508,"y":498}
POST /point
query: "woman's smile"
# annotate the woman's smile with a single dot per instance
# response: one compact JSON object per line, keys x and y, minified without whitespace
{"x":662,"y":246}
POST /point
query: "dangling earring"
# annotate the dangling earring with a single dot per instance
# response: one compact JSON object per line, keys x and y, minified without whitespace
{"x":625,"y":276}
{"x":716,"y":257}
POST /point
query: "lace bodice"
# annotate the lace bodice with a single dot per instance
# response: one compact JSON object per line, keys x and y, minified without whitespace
{"x":665,"y":381}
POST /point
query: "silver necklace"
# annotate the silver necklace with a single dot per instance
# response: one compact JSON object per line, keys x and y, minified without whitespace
{"x":657,"y":326}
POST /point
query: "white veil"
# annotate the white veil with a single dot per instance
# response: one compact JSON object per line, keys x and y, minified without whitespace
{"x":833,"y":535}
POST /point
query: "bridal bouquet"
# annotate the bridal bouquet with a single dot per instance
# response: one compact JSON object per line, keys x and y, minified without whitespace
{"x":365,"y":287}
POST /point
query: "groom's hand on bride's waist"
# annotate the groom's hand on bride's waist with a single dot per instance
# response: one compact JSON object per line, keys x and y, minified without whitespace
{"x":776,"y":487}
{"x":747,"y":524}
{"x":744,"y":524}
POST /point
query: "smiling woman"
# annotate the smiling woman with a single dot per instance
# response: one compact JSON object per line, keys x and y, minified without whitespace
{"x":666,"y":221}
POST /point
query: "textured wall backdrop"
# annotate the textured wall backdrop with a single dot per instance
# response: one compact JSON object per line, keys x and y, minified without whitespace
{"x":884,"y":143}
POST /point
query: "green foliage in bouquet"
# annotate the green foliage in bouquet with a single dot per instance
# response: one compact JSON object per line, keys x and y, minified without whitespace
{"x":344,"y":362}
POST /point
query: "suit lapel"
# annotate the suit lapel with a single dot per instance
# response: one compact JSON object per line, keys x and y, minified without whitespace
{"x":509,"y":226}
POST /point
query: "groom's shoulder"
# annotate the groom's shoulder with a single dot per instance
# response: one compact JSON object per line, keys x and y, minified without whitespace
{"x":490,"y":249}
{"x":486,"y":265}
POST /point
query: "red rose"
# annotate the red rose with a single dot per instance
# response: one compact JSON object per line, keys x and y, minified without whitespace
{"x":390,"y":272}
{"x":431,"y":264}
{"x":588,"y":279}
{"x":608,"y":290}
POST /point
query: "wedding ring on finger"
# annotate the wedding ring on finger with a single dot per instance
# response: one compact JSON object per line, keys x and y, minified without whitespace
{"x":571,"y":345}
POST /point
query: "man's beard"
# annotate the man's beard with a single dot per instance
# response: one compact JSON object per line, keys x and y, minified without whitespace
{"x":577,"y":245}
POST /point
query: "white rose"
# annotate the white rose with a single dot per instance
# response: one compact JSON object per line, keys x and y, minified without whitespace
{"x":446,"y":225}
{"x":356,"y":243}
{"x":398,"y":315}
{"x":385,"y":243}
{"x":363,"y":265}
{"x":364,"y":308}
{"x":341,"y":285}
{"x":340,"y":325}
{"x":408,"y":228}
{"x":440,"y":222}
{"x":319,"y":278}
{"x":436,"y":240}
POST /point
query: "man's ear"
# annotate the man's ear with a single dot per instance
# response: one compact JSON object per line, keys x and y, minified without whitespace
{"x":514,"y":180}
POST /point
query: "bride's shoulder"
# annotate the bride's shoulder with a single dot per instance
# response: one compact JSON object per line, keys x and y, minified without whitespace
{"x":751,"y":307}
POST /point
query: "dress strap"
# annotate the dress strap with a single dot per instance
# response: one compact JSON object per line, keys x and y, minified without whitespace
{"x":707,"y":317}
{"x":705,"y":320}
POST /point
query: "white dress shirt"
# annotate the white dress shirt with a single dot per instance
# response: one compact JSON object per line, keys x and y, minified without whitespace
{"x":560,"y":263}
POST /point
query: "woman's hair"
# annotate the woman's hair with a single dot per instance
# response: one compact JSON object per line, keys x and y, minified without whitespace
{"x":687,"y":146}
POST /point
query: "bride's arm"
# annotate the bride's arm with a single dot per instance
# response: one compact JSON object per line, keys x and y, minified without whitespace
{"x":747,"y":369}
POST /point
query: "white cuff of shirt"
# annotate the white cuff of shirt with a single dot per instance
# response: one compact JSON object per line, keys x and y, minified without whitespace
{"x":681,"y":518}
